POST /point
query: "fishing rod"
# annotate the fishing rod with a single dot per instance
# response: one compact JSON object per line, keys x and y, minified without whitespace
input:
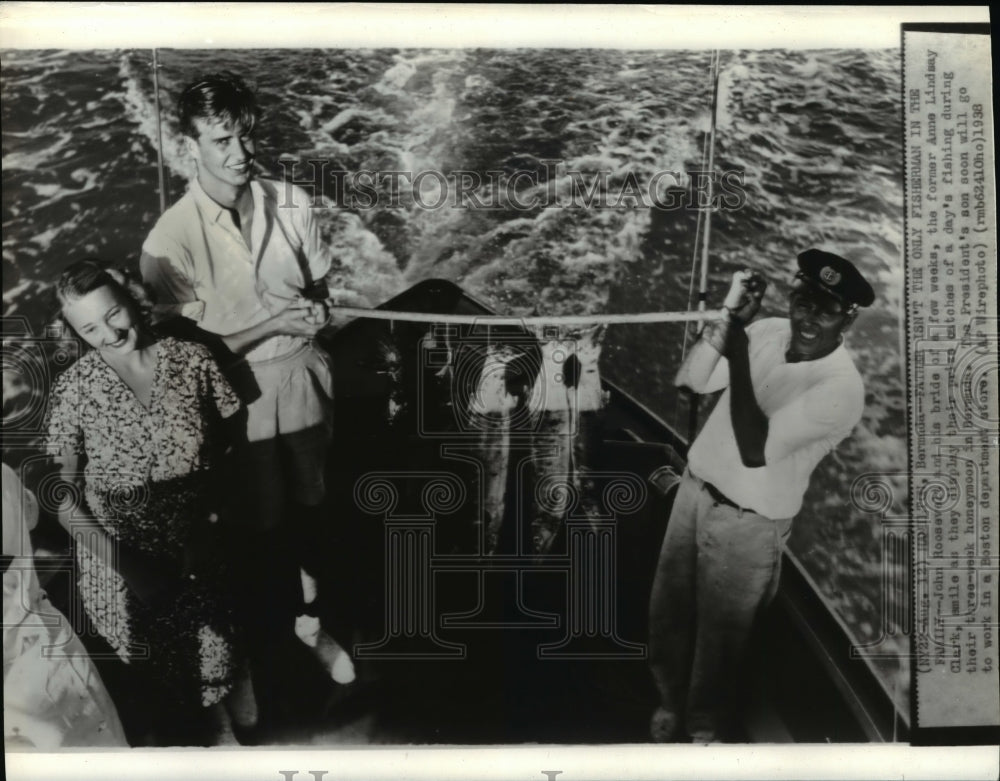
{"x":159,"y":134}
{"x":703,"y":286}
{"x":707,"y":211}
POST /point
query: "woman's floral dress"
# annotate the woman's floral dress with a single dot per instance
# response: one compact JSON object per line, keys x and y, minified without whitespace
{"x":148,"y":481}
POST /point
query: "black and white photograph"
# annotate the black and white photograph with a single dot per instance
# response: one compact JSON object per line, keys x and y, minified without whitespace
{"x":505,"y":383}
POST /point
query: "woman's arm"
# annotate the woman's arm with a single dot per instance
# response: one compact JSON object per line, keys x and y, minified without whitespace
{"x":149,"y":579}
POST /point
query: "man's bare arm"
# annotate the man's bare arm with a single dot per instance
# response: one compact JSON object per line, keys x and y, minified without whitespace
{"x":703,"y":357}
{"x":742,"y":301}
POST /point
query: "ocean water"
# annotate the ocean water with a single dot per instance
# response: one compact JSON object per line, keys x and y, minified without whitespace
{"x":815,"y":136}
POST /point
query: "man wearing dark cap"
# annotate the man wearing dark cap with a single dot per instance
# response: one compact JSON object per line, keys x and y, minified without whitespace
{"x":792,"y":393}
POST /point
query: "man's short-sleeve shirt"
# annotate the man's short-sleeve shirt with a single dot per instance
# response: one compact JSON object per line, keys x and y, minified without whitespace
{"x":810,"y":405}
{"x":200,"y":266}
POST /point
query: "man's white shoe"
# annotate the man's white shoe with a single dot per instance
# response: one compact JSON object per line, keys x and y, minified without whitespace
{"x":307,"y":629}
{"x":336,"y":658}
{"x":331,"y":654}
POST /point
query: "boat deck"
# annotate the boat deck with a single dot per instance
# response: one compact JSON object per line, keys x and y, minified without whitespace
{"x":486,"y":649}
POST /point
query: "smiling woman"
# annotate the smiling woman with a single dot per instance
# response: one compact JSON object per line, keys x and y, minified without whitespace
{"x":104,"y":319}
{"x":136,"y":426}
{"x":98,"y":307}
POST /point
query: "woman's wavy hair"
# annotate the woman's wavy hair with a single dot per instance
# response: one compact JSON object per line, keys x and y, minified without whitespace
{"x":85,"y":276}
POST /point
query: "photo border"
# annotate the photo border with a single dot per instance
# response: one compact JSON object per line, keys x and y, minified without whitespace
{"x":91,"y":26}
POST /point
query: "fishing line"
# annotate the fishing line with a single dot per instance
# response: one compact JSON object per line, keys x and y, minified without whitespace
{"x":159,"y":134}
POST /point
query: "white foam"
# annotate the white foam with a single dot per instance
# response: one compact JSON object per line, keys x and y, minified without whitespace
{"x":10,"y":296}
{"x":141,"y":110}
{"x":45,"y":238}
{"x":342,"y":118}
{"x":53,"y":193}
{"x":394,"y":79}
{"x":44,"y":190}
{"x":41,"y":158}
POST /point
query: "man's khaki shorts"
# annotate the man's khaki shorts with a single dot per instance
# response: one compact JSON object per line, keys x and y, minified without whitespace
{"x":290,"y":425}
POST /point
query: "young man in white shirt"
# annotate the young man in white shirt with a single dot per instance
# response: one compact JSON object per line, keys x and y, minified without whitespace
{"x":792,"y":393}
{"x":239,"y":255}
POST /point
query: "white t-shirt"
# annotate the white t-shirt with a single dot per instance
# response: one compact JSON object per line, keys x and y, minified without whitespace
{"x":200,"y":266}
{"x":810,"y":405}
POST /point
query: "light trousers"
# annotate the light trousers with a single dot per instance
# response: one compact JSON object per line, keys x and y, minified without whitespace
{"x":718,"y":567}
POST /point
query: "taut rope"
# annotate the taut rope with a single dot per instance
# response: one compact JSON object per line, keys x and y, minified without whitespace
{"x":492,"y":320}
